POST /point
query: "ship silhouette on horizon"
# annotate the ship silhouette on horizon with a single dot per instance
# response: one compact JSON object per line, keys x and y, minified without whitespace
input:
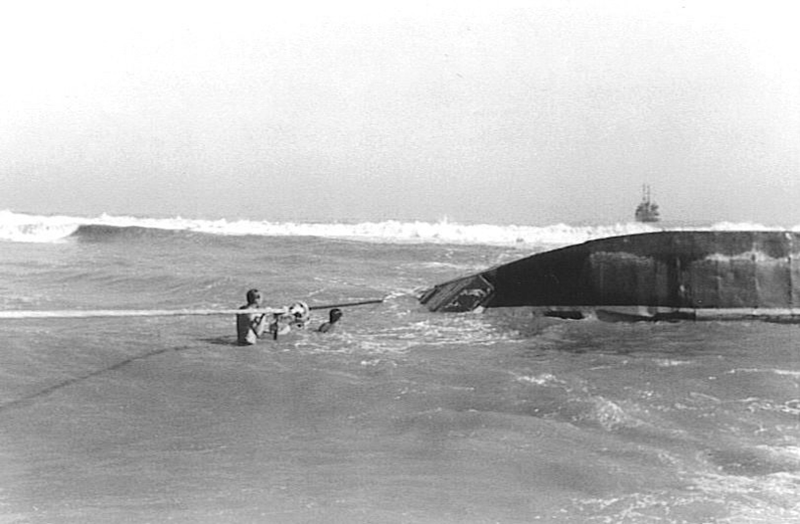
{"x":647,"y":210}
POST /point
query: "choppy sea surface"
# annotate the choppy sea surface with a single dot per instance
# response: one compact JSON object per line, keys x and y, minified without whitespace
{"x":397,"y":416}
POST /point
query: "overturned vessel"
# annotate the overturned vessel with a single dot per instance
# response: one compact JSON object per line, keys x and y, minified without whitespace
{"x":661,"y":275}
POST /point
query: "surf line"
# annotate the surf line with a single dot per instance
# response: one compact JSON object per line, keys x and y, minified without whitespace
{"x":102,"y":313}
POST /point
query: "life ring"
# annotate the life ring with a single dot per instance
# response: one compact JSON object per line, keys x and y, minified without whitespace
{"x":299,"y":314}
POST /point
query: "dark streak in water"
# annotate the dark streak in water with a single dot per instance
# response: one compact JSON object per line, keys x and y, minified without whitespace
{"x":55,"y":387}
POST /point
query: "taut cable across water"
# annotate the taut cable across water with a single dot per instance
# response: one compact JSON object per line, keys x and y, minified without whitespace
{"x":103,"y":313}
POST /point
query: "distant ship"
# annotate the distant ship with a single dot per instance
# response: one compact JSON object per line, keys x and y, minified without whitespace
{"x":647,"y":210}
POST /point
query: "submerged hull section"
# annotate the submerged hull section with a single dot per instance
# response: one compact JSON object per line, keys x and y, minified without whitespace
{"x":685,"y":274}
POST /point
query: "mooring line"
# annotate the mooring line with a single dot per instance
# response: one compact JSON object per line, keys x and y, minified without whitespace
{"x":105,"y":313}
{"x":74,"y":380}
{"x":13,"y":315}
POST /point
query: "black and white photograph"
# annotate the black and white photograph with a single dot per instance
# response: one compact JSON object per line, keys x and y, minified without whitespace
{"x":420,"y":262}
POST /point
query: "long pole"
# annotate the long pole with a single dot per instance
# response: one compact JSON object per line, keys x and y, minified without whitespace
{"x":348,"y":304}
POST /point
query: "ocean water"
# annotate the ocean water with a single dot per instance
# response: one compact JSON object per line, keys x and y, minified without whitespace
{"x":397,"y":416}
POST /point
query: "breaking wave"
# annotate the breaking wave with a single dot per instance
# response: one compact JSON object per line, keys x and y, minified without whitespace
{"x":20,"y":227}
{"x":105,"y":233}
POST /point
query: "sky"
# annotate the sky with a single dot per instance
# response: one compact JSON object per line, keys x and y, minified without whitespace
{"x":530,"y":113}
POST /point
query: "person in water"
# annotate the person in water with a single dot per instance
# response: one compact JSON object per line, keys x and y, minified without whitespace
{"x":334,"y":317}
{"x":250,"y":326}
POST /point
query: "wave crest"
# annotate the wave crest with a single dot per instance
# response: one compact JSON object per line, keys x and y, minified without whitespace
{"x":20,"y":227}
{"x":15,"y":227}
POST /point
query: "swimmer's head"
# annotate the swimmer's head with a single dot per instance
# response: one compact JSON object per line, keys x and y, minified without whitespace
{"x":335,"y":315}
{"x":253,"y":296}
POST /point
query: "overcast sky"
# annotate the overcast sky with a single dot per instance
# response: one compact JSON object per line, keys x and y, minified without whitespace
{"x":535,"y":112}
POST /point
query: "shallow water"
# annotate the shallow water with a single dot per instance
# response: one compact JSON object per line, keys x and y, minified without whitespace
{"x":399,"y":415}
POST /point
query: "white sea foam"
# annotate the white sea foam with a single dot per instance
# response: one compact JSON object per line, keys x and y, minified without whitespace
{"x":668,"y":363}
{"x":611,"y":415}
{"x":744,"y":499}
{"x":16,"y":227}
{"x":788,"y":454}
{"x":785,"y":372}
{"x":542,"y":379}
{"x":21,"y":227}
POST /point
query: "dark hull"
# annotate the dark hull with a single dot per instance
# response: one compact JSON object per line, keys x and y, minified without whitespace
{"x":679,"y":274}
{"x":647,"y":213}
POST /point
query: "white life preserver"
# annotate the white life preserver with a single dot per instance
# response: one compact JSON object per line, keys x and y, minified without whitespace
{"x":299,"y":314}
{"x":296,"y":317}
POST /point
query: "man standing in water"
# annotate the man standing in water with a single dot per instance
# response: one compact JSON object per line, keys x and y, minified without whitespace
{"x":334,"y":317}
{"x":250,"y":326}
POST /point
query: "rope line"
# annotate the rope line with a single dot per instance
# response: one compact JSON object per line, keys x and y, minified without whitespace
{"x":102,"y":313}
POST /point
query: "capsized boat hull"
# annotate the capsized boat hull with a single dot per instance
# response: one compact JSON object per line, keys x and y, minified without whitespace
{"x":668,"y":274}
